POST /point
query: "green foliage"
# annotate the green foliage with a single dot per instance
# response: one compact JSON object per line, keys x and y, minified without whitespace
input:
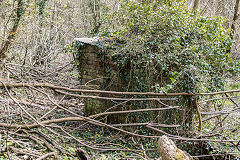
{"x":165,"y":48}
{"x":169,"y":47}
{"x":19,"y":12}
{"x":41,"y":11}
{"x":41,"y":4}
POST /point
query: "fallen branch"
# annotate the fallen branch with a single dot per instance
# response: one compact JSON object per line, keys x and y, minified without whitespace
{"x":47,"y":155}
{"x":11,"y":85}
{"x":221,"y":98}
{"x":109,"y":126}
{"x":25,"y":152}
{"x":134,"y":111}
{"x":112,"y":98}
{"x":22,"y":108}
{"x":188,"y":139}
{"x":215,"y":155}
{"x":35,"y":125}
{"x":145,"y":124}
{"x":30,"y":126}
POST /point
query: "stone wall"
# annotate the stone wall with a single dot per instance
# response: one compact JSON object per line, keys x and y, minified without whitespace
{"x":89,"y":63}
{"x":93,"y":64}
{"x":91,"y":72}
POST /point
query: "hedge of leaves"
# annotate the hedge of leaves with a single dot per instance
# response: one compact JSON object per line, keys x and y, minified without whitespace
{"x":168,"y":47}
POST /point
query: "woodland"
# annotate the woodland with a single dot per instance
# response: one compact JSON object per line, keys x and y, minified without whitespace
{"x":119,"y":79}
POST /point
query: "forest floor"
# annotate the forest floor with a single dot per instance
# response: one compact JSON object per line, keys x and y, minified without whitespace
{"x":27,"y":100}
{"x":41,"y":93}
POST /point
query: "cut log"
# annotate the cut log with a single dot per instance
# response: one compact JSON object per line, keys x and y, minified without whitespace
{"x":169,"y":151}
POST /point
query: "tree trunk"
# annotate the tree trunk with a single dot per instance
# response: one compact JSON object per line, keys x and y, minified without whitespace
{"x":235,"y":17}
{"x":95,"y":8}
{"x":7,"y":43}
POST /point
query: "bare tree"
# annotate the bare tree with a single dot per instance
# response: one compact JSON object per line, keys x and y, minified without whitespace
{"x":95,"y":8}
{"x":235,"y":17}
{"x":7,"y":43}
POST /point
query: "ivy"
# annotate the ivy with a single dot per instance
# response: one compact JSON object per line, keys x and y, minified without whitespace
{"x":41,"y":4}
{"x":170,"y":47}
{"x":164,"y":46}
{"x":19,"y":12}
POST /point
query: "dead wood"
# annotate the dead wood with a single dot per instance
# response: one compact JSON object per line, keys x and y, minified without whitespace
{"x":47,"y":155}
{"x":12,"y":84}
{"x":169,"y":151}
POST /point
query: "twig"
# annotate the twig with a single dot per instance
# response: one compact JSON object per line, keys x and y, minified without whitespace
{"x":24,"y":102}
{"x":205,"y":101}
{"x":144,"y":153}
{"x":160,"y":131}
{"x":47,"y":155}
{"x":199,"y":115}
{"x":214,"y":155}
{"x":189,"y":139}
{"x":134,"y":111}
{"x":232,"y":100}
{"x":50,"y":110}
{"x":24,"y":110}
{"x":24,"y":151}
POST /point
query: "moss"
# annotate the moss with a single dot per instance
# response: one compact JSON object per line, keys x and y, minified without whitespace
{"x":92,"y":106}
{"x":180,"y":155}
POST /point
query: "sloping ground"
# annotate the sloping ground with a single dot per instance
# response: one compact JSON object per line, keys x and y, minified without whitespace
{"x":29,"y":104}
{"x":41,"y":117}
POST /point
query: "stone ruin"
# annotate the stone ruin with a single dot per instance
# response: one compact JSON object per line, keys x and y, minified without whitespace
{"x":96,"y":71}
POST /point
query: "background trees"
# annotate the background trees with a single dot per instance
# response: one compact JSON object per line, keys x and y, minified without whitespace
{"x":49,"y":18}
{"x":35,"y":34}
{"x":226,"y":9}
